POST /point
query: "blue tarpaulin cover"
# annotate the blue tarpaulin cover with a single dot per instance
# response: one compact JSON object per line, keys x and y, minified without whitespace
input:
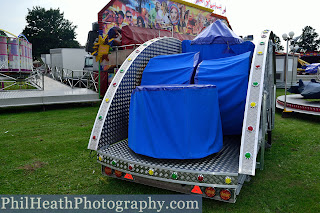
{"x":230,"y":75}
{"x":175,"y":121}
{"x":311,"y":90}
{"x":300,"y":86}
{"x":170,"y":69}
{"x":312,"y":68}
{"x":214,"y":51}
{"x":217,"y":33}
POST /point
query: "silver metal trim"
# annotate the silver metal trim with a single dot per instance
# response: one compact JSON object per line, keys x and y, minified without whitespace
{"x":248,"y":166}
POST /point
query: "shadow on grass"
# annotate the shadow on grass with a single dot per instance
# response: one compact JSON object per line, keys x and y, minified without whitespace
{"x":301,"y":116}
{"x":39,"y":108}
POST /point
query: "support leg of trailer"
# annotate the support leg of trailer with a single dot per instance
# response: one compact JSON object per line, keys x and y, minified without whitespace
{"x":269,"y":143}
{"x":261,"y":166}
{"x":264,"y":129}
{"x":242,"y":179}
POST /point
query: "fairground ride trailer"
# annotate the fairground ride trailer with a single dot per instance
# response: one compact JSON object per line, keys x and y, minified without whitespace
{"x":218,"y":176}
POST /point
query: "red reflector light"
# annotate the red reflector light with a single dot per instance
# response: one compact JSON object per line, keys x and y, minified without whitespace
{"x":118,"y":173}
{"x":225,"y":194}
{"x":108,"y":170}
{"x":196,"y":190}
{"x":250,"y":128}
{"x":210,"y":192}
{"x":128,"y":176}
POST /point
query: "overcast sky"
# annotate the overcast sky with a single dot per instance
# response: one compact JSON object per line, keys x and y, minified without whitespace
{"x":246,"y":16}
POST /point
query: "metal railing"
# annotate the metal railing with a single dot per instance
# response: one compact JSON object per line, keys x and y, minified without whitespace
{"x":36,"y":79}
{"x":21,"y":80}
{"x":73,"y":78}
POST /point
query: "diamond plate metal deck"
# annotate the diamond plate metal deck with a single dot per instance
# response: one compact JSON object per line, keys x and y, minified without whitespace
{"x":215,"y":168}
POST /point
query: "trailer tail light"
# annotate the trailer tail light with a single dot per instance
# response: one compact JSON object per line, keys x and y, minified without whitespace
{"x":108,"y":170}
{"x":225,"y":194}
{"x":210,"y":192}
{"x":118,"y":173}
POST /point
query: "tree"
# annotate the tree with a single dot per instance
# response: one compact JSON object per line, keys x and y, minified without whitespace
{"x":308,"y":41}
{"x":47,"y":29}
{"x":277,"y":42}
{"x":2,"y":33}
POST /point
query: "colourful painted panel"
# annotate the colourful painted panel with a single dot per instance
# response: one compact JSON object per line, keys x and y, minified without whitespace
{"x":155,"y":14}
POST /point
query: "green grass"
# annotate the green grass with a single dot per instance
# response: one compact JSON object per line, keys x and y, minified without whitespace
{"x":45,"y":152}
{"x":17,"y":86}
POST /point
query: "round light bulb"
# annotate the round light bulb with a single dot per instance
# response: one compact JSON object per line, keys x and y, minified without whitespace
{"x":227,"y":180}
{"x":151,"y":172}
{"x":247,"y":155}
{"x":284,"y":36}
{"x":296,"y":47}
{"x":291,"y":34}
{"x":174,"y":176}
